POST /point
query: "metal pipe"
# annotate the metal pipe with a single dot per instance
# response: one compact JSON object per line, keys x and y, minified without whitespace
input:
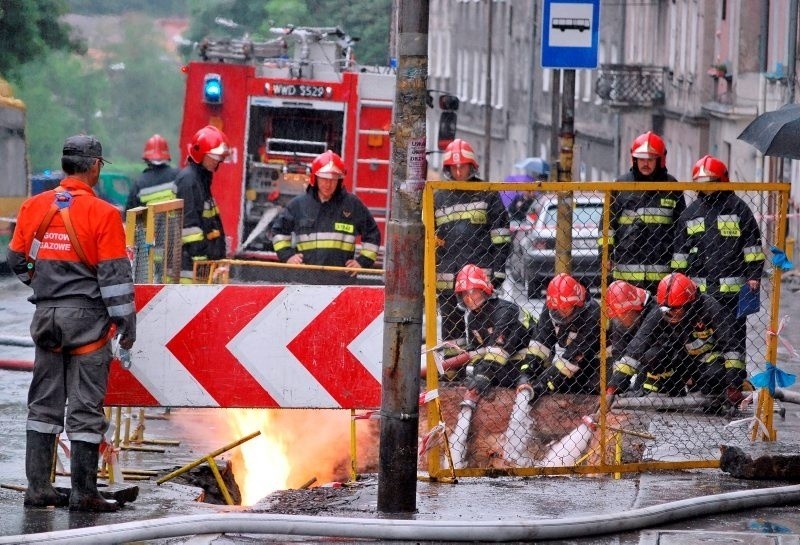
{"x":418,"y":530}
{"x":210,"y":455}
{"x":16,"y":365}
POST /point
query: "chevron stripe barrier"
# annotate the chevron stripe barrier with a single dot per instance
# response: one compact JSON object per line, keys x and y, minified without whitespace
{"x":245,"y":346}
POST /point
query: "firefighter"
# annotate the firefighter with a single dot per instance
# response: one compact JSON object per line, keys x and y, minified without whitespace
{"x":327,"y":221}
{"x":718,"y":245}
{"x":471,"y":227}
{"x":69,"y":246}
{"x":157,"y":182}
{"x":690,"y":343}
{"x":497,"y":336}
{"x":628,"y":307}
{"x":571,"y":321}
{"x":202,"y":236}
{"x":643,"y":222}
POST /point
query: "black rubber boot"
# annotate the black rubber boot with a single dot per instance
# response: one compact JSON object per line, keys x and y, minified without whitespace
{"x":39,"y":451}
{"x":84,"y":496}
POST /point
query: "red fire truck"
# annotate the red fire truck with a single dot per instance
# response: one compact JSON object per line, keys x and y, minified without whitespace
{"x":281,"y":103}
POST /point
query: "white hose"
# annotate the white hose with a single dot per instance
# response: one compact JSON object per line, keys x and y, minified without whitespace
{"x":418,"y":530}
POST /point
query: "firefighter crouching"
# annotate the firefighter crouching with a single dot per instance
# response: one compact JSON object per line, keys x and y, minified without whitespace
{"x":326,"y":221}
{"x":471,"y":228}
{"x":627,"y":307}
{"x":202,"y":235}
{"x":693,"y":335}
{"x":571,"y":320}
{"x":718,"y":246}
{"x":69,"y":246}
{"x":498,"y":333}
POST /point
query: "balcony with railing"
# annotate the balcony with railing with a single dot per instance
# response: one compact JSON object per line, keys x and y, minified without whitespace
{"x":631,"y":85}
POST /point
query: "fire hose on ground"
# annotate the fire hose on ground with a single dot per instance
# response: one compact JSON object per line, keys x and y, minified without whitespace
{"x":419,"y":530}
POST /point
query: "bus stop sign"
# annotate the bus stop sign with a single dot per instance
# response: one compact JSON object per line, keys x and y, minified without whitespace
{"x":571,"y":33}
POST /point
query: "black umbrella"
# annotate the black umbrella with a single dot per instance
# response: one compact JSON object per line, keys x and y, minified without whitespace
{"x":776,"y":133}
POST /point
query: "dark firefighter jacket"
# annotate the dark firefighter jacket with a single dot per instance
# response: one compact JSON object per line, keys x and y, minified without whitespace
{"x":60,"y":278}
{"x":620,"y":337}
{"x":580,"y":339}
{"x":471,"y":227}
{"x":499,"y":324}
{"x":703,"y":334}
{"x":643,"y":229}
{"x":326,"y":231}
{"x":156,"y":184}
{"x":718,"y":244}
{"x":202,"y":235}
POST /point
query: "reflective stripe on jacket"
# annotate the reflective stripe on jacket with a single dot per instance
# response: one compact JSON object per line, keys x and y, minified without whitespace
{"x":202,"y":236}
{"x":59,"y":274}
{"x":718,"y":244}
{"x":326,"y":233}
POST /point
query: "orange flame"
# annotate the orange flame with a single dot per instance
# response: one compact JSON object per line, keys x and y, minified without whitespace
{"x":295,"y":446}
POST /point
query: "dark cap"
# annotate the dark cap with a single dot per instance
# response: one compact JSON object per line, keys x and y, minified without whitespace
{"x":82,"y":145}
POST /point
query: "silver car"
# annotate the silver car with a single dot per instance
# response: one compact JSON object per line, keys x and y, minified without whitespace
{"x":532,"y":260}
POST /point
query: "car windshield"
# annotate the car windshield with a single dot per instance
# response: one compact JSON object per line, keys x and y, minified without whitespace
{"x":584,"y":215}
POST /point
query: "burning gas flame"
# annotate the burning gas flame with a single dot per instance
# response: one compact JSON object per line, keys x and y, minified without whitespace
{"x":295,"y":446}
{"x":261,"y":465}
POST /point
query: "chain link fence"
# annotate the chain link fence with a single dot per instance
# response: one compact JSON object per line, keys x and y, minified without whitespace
{"x":154,"y":242}
{"x":649,"y":356}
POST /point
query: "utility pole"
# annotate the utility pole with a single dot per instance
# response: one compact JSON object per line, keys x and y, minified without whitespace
{"x":402,"y":322}
{"x":567,"y":144}
{"x":488,"y":118}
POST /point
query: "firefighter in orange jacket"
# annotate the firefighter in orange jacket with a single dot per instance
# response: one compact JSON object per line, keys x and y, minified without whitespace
{"x":69,"y":246}
{"x":202,"y":236}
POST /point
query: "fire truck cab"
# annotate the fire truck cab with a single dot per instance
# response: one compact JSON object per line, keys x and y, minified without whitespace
{"x":281,"y":103}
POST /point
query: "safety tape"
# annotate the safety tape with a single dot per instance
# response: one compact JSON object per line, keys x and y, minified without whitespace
{"x":786,"y":344}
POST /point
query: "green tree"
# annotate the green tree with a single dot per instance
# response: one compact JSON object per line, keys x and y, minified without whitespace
{"x":145,"y":91}
{"x":31,"y":29}
{"x":64,"y":96}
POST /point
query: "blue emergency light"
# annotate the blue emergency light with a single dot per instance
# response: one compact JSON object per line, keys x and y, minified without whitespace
{"x":212,"y":89}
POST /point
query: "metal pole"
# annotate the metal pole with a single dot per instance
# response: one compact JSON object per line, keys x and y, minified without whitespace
{"x":567,"y":143}
{"x":402,"y":333}
{"x":790,"y":69}
{"x":555,"y":115}
{"x":487,"y":171}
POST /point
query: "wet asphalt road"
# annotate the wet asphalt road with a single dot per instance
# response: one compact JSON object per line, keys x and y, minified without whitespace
{"x":509,"y":499}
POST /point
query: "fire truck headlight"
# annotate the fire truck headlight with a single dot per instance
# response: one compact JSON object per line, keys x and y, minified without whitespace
{"x":212,"y":89}
{"x":328,"y":92}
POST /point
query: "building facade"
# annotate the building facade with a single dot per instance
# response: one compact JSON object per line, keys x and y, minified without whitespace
{"x":696,"y":72}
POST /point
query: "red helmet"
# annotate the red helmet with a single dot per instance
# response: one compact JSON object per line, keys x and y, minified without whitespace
{"x":327,"y":165}
{"x":459,"y":152}
{"x":622,"y":297}
{"x":156,"y":149}
{"x":473,"y":277}
{"x":710,"y":169}
{"x":564,"y":293}
{"x":676,"y":290}
{"x":649,"y":146}
{"x":209,"y":141}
